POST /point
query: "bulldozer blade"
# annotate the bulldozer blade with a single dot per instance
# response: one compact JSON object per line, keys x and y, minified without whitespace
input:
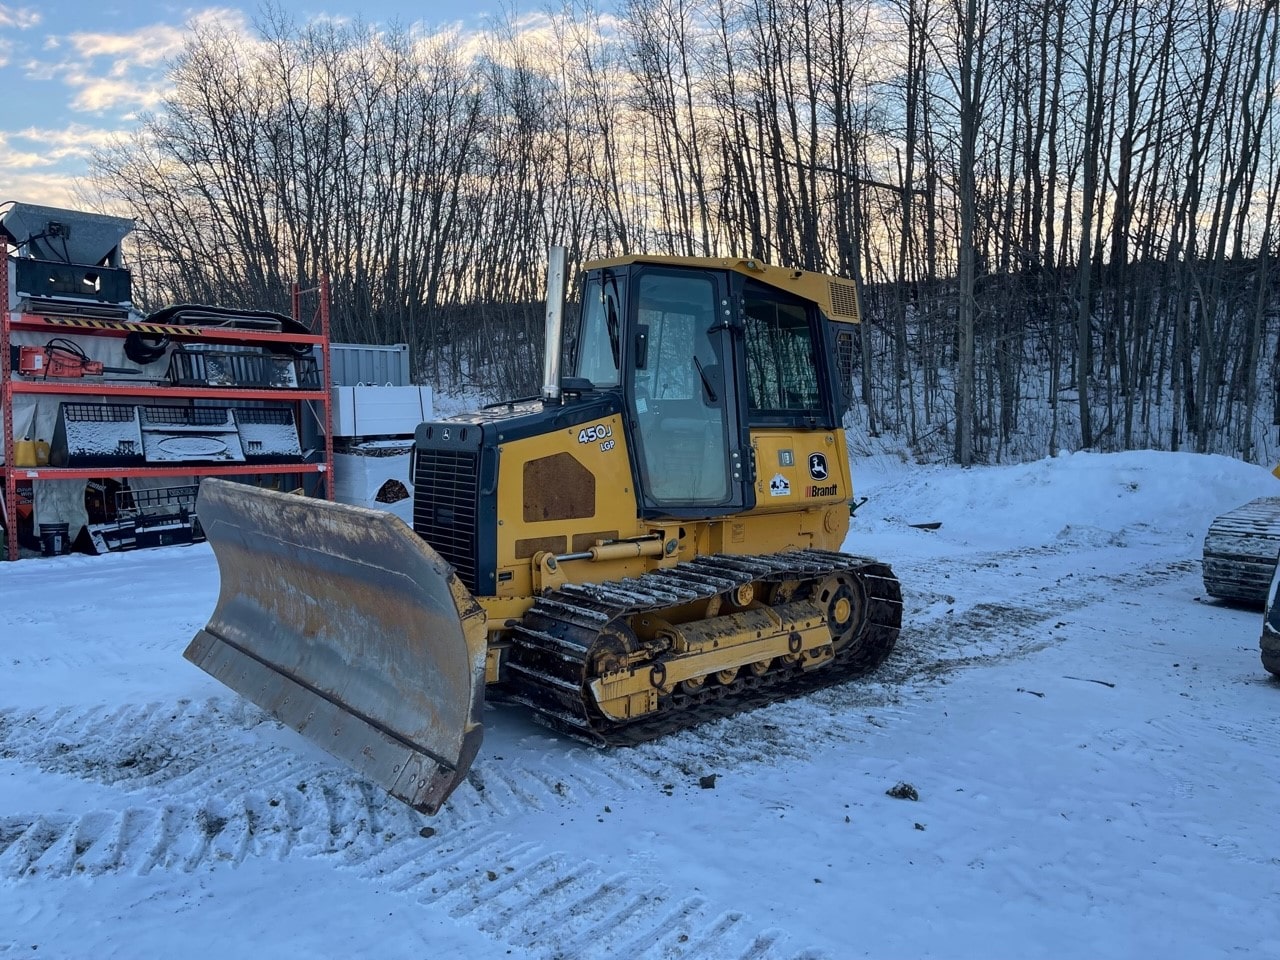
{"x":343,"y":624}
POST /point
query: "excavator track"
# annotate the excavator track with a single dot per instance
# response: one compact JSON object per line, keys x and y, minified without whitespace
{"x":1240,"y":552}
{"x":554,"y":646}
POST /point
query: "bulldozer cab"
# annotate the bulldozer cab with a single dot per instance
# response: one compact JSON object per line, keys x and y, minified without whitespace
{"x":700,"y":355}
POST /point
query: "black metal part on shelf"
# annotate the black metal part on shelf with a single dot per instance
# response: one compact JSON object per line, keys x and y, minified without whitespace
{"x":269,"y":435}
{"x":154,"y":517}
{"x":190,"y":435}
{"x":203,"y":366}
{"x":96,"y":435}
{"x":206,"y":315}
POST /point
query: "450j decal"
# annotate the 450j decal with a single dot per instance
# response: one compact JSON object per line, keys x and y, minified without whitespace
{"x":600,"y":433}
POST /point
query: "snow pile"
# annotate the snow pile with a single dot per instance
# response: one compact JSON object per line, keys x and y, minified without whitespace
{"x":1032,"y":502}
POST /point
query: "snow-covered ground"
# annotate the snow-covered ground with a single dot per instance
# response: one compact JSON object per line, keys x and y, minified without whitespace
{"x":1094,"y":748}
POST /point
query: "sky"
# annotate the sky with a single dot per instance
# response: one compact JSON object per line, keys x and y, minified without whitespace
{"x":1090,"y":741}
{"x":74,"y":72}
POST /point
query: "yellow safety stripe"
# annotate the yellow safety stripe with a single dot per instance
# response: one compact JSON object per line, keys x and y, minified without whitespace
{"x":88,"y":324}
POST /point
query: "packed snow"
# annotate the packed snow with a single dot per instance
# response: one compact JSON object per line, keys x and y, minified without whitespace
{"x":1091,"y":743}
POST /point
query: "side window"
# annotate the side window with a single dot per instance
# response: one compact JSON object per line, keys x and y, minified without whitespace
{"x":597,"y":347}
{"x":782,"y":366}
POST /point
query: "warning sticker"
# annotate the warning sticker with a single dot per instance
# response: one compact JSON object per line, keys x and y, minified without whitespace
{"x":779,"y":486}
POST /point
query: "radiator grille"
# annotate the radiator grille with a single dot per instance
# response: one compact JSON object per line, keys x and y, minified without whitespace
{"x":444,"y":507}
{"x":844,"y":365}
{"x":844,"y":300}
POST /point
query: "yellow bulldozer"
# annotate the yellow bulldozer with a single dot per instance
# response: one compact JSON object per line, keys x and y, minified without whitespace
{"x":652,"y":542}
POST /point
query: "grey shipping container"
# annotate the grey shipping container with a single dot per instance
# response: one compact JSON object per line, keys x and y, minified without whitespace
{"x":373,"y":365}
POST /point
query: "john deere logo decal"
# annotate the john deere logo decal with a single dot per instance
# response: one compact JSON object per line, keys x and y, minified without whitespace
{"x":818,"y":466}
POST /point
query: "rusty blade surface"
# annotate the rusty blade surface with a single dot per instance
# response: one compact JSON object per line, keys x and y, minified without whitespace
{"x":346,"y":626}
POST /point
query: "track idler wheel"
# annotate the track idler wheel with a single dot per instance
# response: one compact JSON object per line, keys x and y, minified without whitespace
{"x":612,"y":650}
{"x":842,"y":597}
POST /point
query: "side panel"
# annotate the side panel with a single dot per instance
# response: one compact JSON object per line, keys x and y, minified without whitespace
{"x":803,"y":510}
{"x":561,"y":492}
{"x":800,"y":470}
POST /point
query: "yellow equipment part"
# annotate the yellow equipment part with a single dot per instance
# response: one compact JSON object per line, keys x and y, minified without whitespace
{"x":345,"y":626}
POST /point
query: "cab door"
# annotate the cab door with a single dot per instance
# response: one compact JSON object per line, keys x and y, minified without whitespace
{"x":685,"y":408}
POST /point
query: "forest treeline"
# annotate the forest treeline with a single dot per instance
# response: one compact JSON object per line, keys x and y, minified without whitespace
{"x":1060,"y":210}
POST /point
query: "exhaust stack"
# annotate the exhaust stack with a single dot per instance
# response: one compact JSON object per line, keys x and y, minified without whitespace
{"x":555,"y":324}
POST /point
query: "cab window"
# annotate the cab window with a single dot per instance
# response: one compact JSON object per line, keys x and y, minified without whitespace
{"x":782,"y":365}
{"x":598,"y":345}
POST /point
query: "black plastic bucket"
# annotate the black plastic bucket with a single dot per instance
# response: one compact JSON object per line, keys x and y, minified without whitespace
{"x":54,"y":541}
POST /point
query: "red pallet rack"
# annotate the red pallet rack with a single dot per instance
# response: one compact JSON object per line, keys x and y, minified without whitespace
{"x":11,"y":386}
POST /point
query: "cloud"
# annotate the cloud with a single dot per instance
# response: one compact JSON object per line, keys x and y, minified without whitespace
{"x":62,"y":143}
{"x":33,"y":148}
{"x":13,"y":158}
{"x":147,"y":45}
{"x":14,"y":18}
{"x":51,"y":189}
{"x":99,"y":94}
{"x":41,"y":166}
{"x":18,"y":18}
{"x":126,"y":72}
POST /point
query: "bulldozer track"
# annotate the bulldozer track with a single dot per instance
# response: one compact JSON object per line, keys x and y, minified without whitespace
{"x":555,"y":642}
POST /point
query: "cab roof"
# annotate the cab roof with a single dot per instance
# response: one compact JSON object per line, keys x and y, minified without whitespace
{"x":835,"y":296}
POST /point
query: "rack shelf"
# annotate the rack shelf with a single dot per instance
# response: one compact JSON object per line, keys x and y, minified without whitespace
{"x":186,"y":393}
{"x":189,"y":470}
{"x":317,"y":401}
{"x":117,"y":328}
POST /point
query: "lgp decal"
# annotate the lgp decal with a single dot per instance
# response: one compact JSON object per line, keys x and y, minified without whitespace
{"x":779,"y":486}
{"x":818,"y":466}
{"x":600,"y":433}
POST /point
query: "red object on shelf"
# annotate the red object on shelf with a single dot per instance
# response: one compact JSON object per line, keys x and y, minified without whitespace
{"x":43,"y":362}
{"x":72,"y":383}
{"x":61,"y":363}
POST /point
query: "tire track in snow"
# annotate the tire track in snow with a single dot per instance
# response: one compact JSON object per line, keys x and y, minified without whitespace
{"x":250,"y":798}
{"x":547,"y":903}
{"x":1010,"y":623}
{"x":213,"y":748}
{"x":159,"y":755}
